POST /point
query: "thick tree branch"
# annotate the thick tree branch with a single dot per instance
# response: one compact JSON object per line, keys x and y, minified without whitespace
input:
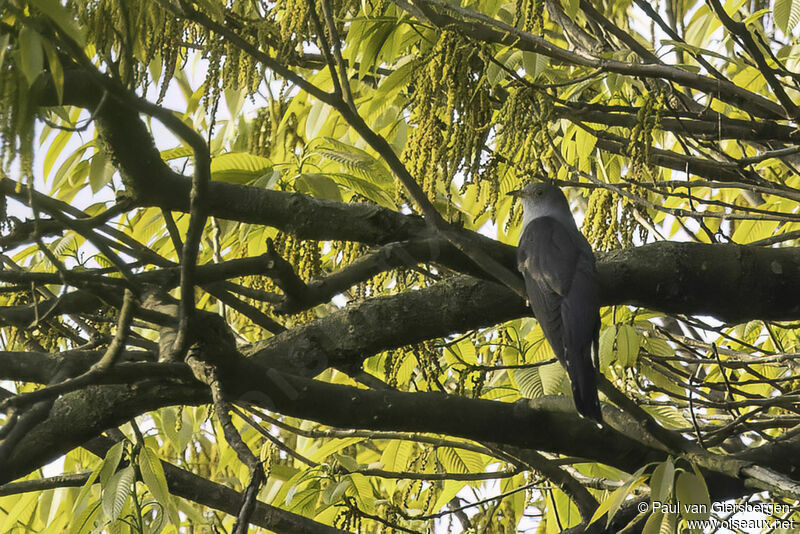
{"x":686,"y":278}
{"x":703,"y":127}
{"x":77,"y":417}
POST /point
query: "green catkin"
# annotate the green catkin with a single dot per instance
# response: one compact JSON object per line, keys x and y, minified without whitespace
{"x":609,"y":222}
{"x":640,"y":147}
{"x":16,"y":120}
{"x":451,"y":111}
{"x":523,"y":142}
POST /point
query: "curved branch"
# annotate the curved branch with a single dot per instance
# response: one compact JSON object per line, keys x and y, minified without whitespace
{"x":79,"y":416}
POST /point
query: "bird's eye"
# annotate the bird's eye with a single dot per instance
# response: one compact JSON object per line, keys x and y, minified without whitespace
{"x":539,"y":192}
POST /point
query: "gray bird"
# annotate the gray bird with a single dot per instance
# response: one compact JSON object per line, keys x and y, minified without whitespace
{"x":560,"y":275}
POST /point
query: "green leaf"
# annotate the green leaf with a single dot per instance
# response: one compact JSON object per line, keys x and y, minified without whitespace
{"x":214,"y":9}
{"x":390,"y":87}
{"x":697,"y":50}
{"x":669,"y":416}
{"x":571,"y":8}
{"x":318,"y":185}
{"x":700,"y":478}
{"x":153,"y":477}
{"x":620,"y":498}
{"x":584,"y":143}
{"x":653,"y":523}
{"x":529,"y":382}
{"x":304,"y":502}
{"x":662,"y":481}
{"x":318,"y":115}
{"x":289,"y":488}
{"x":56,"y":70}
{"x":362,"y":187}
{"x":749,"y":19}
{"x":100,"y":171}
{"x":449,"y":490}
{"x":396,"y":454}
{"x":335,"y":490}
{"x":612,"y":503}
{"x":749,"y":230}
{"x":534,"y":64}
{"x":110,"y":462}
{"x":466,"y":351}
{"x":614,"y":82}
{"x":657,"y":346}
{"x":627,"y":345}
{"x":375,"y":37}
{"x":692,"y":494}
{"x":61,"y":113}
{"x":669,"y":523}
{"x":237,"y":167}
{"x":63,"y":19}
{"x":554,"y":378}
{"x":319,"y":450}
{"x":460,"y":460}
{"x":348,"y":462}
{"x":86,"y":489}
{"x":117,"y":491}
{"x":14,"y":517}
{"x":234,"y":98}
{"x":605,"y":506}
{"x":660,"y":523}
{"x":181,"y":152}
{"x":787,"y":15}
{"x":85,"y":522}
{"x":67,"y":168}
{"x":606,"y":349}
{"x":177,"y":435}
{"x":356,"y":161}
{"x":30,"y":52}
{"x":506,"y":59}
{"x":361,"y":488}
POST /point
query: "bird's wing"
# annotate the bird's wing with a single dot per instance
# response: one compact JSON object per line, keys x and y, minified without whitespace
{"x":548,"y":254}
{"x":547,"y":258}
{"x":561,"y":281}
{"x":580,"y":307}
{"x":580,"y":316}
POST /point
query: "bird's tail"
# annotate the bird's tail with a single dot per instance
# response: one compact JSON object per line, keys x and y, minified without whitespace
{"x":584,"y":389}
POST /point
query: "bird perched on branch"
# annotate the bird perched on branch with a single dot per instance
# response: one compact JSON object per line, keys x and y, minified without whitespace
{"x":558,"y":266}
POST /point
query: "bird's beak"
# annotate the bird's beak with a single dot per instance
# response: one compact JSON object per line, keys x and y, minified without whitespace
{"x":515,"y":193}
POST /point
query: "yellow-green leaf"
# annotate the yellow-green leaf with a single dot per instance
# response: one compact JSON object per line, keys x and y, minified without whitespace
{"x":116,"y":491}
{"x":110,"y":462}
{"x":787,"y":15}
{"x":691,"y":493}
{"x":56,"y":70}
{"x":234,"y":167}
{"x":662,"y":480}
{"x":153,"y":477}
{"x":606,"y":348}
{"x":63,"y":19}
{"x":627,"y":345}
{"x":30,"y":53}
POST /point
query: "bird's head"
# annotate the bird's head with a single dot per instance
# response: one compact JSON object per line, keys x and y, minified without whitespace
{"x":542,"y":200}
